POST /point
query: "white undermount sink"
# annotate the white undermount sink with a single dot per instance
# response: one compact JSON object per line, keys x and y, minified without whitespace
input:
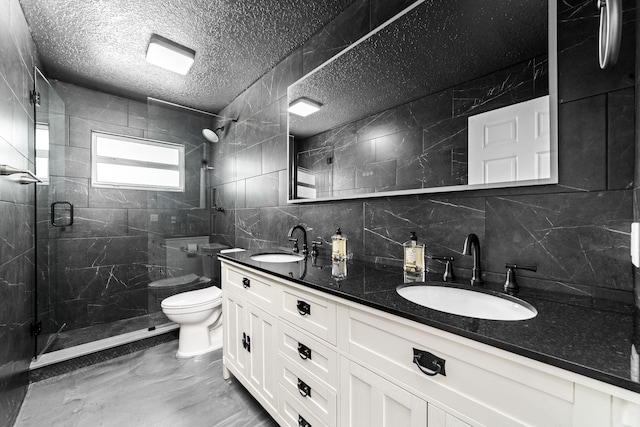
{"x":467,"y":302}
{"x":277,"y":257}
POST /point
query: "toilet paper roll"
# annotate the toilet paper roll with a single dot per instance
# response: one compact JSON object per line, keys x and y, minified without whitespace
{"x":192,"y":249}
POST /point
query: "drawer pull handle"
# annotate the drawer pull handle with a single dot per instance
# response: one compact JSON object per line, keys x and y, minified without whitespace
{"x":304,"y":352}
{"x":303,"y":388}
{"x":246,"y":283}
{"x":302,"y":422}
{"x":428,"y":363}
{"x":303,"y":308}
{"x":246,"y":342}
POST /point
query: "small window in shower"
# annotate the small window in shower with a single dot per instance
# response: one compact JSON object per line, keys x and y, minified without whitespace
{"x":119,"y":161}
{"x":42,"y":152}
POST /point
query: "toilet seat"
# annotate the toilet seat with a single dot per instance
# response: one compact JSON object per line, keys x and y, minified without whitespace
{"x":194,"y":299}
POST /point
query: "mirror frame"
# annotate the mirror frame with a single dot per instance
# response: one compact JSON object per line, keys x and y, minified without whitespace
{"x":552,"y":42}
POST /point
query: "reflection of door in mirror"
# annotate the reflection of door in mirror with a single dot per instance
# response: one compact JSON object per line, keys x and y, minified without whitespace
{"x":510,"y":143}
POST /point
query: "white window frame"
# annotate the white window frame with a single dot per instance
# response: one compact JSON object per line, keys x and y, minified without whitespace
{"x":96,"y":159}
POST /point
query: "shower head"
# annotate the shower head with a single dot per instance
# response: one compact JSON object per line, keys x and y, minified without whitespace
{"x":211,"y":135}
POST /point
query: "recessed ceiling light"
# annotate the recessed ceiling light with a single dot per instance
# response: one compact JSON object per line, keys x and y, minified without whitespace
{"x":170,"y":55}
{"x":304,"y":106}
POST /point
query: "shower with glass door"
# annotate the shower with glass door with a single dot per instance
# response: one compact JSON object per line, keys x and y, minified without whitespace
{"x":104,"y":214}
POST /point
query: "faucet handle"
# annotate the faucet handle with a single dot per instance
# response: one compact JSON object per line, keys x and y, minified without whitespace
{"x":448,"y":275}
{"x":314,"y":246}
{"x":295,"y":244}
{"x":510,"y":284}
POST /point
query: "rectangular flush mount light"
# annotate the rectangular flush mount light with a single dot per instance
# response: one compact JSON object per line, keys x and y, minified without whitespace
{"x":170,"y":55}
{"x":304,"y":106}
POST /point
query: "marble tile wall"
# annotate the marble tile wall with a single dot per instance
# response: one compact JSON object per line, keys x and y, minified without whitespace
{"x":18,"y":57}
{"x":99,"y":268}
{"x":576,"y":232}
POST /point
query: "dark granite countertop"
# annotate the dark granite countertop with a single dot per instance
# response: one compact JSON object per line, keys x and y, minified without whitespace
{"x":593,"y":338}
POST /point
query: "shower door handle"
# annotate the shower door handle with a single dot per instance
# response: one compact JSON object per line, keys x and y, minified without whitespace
{"x":56,"y":207}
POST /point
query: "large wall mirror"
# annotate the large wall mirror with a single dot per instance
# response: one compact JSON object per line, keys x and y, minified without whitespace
{"x":448,"y":95}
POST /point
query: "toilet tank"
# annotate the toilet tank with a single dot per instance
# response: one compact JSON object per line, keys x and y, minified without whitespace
{"x":182,"y":256}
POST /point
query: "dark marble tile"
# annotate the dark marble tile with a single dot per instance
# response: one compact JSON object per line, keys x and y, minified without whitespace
{"x":496,"y":90}
{"x":340,"y":179}
{"x":322,"y":220}
{"x":579,"y":73}
{"x":248,"y":163}
{"x":424,"y":112}
{"x":92,"y":105}
{"x":582,"y":144}
{"x":345,"y":29}
{"x":378,"y":125}
{"x":398,"y":145}
{"x":89,"y":222}
{"x":137,"y":115}
{"x":274,"y":154}
{"x":276,"y":81}
{"x":121,"y":199}
{"x":248,"y":227}
{"x":577,"y":238}
{"x":73,"y":190}
{"x":283,"y":187}
{"x":94,"y":282}
{"x":276,"y":223}
{"x":376,"y":175}
{"x":348,"y":153}
{"x":260,"y":127}
{"x":620,"y":139}
{"x":441,"y":223}
{"x":262,"y":191}
{"x":241,"y":193}
{"x":80,"y":130}
{"x":197,"y":222}
{"x":224,"y":170}
{"x":70,"y":161}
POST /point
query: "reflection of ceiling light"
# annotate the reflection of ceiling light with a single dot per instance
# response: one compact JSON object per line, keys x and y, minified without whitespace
{"x":170,"y":55}
{"x":304,"y":106}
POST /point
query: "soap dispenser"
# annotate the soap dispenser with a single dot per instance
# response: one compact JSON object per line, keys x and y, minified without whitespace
{"x":413,"y":255}
{"x":338,"y":246}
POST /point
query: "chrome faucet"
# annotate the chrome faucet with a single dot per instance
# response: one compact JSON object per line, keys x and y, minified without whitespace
{"x":472,"y":246}
{"x":305,"y":249}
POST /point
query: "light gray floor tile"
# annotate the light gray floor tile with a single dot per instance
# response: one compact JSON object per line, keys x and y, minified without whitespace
{"x":147,"y":388}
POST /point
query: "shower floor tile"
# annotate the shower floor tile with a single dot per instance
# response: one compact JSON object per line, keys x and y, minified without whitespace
{"x":151,"y":387}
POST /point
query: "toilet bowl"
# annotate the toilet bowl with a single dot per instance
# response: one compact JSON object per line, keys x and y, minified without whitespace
{"x":199,"y":314}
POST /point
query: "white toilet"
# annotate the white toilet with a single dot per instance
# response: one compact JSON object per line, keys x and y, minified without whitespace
{"x":199,"y":314}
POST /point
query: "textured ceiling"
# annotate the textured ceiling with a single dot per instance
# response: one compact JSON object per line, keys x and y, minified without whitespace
{"x":433,"y":47}
{"x":102,"y":43}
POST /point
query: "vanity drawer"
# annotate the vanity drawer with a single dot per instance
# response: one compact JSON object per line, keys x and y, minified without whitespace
{"x":310,"y":312}
{"x":294,"y":414}
{"x":308,"y":391}
{"x":249,"y":286}
{"x":308,"y":353}
{"x":490,"y":384}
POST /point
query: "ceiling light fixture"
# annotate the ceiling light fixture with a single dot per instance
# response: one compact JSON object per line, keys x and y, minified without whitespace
{"x":304,"y":106}
{"x":170,"y":55}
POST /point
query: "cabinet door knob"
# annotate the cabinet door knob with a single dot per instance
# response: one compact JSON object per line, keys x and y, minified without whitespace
{"x":428,"y":363}
{"x":303,"y":308}
{"x":302,"y":422}
{"x":303,"y":388}
{"x":246,"y":283}
{"x":304,"y":352}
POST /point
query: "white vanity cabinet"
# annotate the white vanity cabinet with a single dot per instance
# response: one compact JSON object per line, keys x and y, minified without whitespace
{"x":249,"y":334}
{"x":328,"y":361}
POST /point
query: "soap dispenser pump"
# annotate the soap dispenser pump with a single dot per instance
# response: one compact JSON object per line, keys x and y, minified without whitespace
{"x":413,"y":255}
{"x":338,"y":246}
